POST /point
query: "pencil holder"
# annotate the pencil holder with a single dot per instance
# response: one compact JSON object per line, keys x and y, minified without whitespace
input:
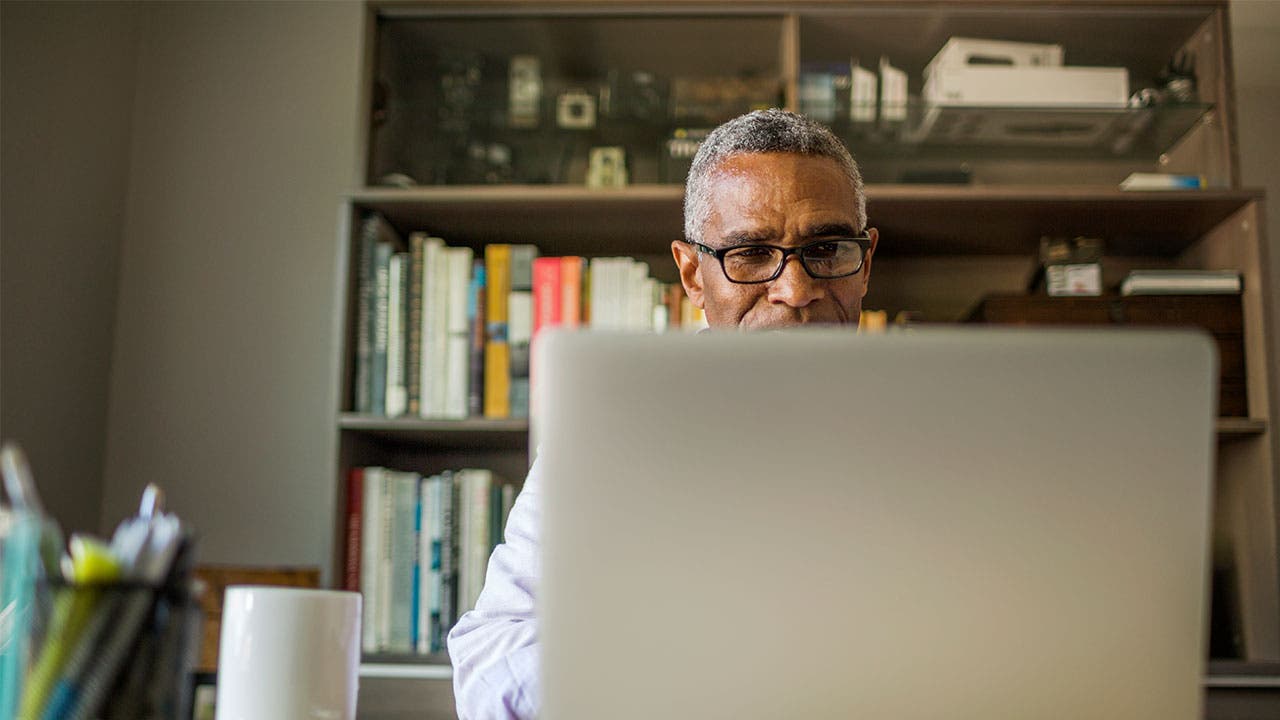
{"x":115,"y":651}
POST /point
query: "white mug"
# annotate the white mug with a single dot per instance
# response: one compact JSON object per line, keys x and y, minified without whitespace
{"x":288,"y":653}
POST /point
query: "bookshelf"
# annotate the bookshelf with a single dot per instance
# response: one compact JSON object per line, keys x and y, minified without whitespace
{"x":944,"y":247}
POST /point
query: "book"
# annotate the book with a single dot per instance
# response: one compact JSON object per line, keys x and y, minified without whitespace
{"x":473,"y":535}
{"x":413,"y":325}
{"x":354,"y":529}
{"x":402,"y":558}
{"x":448,"y":551}
{"x":497,"y":367}
{"x":382,"y":299}
{"x":370,"y":556}
{"x":572,"y":269}
{"x":1161,"y":181}
{"x":431,"y":359}
{"x":416,"y":604}
{"x":457,"y":339}
{"x":548,"y":293}
{"x":396,"y":394}
{"x":429,"y":639}
{"x":476,"y":324}
{"x":520,"y":326}
{"x":373,"y":228}
{"x":1182,"y":282}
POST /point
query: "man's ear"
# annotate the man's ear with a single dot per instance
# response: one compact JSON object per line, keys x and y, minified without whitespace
{"x":874,"y":234}
{"x":686,"y":257}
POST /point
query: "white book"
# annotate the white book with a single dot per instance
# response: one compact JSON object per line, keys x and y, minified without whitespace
{"x":432,"y":315}
{"x":370,"y":545}
{"x":474,"y":536}
{"x":458,"y":334}
{"x":893,"y":92}
{"x":404,"y":556}
{"x":386,"y":505}
{"x":397,"y":393}
{"x":599,"y":269}
{"x":864,"y":88}
{"x":426,"y":518}
{"x":440,"y":334}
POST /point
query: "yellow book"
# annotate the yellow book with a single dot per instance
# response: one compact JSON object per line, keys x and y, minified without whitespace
{"x":497,"y":359}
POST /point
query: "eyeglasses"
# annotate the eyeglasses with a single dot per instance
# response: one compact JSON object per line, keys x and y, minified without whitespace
{"x":822,"y":259}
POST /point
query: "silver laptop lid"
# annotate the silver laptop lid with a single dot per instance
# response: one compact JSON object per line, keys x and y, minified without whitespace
{"x":953,"y":523}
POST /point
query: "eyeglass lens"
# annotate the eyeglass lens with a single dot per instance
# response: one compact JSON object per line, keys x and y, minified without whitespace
{"x":832,"y":259}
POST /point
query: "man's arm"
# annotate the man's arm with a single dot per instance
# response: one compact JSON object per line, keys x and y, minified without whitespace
{"x":494,"y":648}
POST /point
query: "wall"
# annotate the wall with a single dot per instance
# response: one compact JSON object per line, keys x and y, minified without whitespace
{"x":223,"y":367}
{"x":1255,"y":38}
{"x":67,"y":78}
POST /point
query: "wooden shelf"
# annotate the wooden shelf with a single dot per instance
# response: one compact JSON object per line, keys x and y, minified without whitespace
{"x":449,"y":432}
{"x":1240,"y":427}
{"x":913,"y":219}
{"x":511,"y":433}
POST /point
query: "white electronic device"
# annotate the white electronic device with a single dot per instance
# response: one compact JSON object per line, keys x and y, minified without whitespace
{"x":963,"y":52}
{"x":1028,"y":86}
{"x":963,"y":524}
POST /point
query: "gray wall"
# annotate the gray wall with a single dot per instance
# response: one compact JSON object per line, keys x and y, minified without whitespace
{"x":67,"y":80}
{"x":222,"y":380}
{"x":171,"y":182}
{"x":1255,"y":38}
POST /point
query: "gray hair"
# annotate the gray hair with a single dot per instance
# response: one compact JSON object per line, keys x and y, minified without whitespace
{"x":763,"y":131}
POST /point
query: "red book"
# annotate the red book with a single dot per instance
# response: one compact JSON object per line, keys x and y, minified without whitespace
{"x":571,"y":269}
{"x":547,"y":302}
{"x":355,"y":507}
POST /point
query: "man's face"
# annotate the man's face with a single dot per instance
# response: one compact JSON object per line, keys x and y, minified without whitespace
{"x":780,"y":199}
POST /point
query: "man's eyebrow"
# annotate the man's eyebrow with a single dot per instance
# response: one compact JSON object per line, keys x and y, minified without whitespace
{"x":837,"y":229}
{"x":748,"y":237}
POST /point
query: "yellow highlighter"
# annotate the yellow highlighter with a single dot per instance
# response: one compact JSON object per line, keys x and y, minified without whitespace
{"x":92,"y":564}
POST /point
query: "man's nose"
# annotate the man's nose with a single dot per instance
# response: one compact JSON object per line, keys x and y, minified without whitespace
{"x":794,"y":287}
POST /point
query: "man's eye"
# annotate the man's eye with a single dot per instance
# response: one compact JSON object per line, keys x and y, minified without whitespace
{"x":750,"y":253}
{"x":823,"y":250}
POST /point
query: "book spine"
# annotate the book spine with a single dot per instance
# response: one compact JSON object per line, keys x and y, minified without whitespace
{"x":520,"y":325}
{"x":477,"y":542}
{"x":366,"y":290}
{"x":370,"y":557}
{"x":432,"y":316}
{"x":497,"y":369}
{"x":415,"y":606}
{"x":440,"y":333}
{"x":438,"y":507}
{"x":495,"y":517}
{"x":355,"y":503}
{"x":458,"y":356}
{"x":520,"y":335}
{"x":548,"y":303}
{"x":385,"y":583}
{"x":382,"y":298}
{"x":448,"y":552}
{"x":571,"y":272}
{"x":476,"y":321}
{"x":396,"y":275}
{"x":424,"y":633}
{"x":413,"y":353}
{"x":403,"y":556}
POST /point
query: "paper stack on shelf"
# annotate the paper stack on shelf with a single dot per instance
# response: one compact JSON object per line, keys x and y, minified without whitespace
{"x":1182,"y":282}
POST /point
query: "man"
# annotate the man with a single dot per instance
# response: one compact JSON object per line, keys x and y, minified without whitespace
{"x":775,"y":236}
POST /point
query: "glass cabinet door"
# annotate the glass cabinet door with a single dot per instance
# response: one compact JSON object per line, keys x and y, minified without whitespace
{"x":603,"y":100}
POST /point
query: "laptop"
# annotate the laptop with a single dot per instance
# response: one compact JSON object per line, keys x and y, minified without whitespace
{"x":952,"y":523}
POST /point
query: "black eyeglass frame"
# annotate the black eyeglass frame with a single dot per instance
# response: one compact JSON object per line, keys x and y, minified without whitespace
{"x":863,"y":241}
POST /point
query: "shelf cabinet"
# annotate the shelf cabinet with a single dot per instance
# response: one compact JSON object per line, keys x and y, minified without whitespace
{"x":439,"y":89}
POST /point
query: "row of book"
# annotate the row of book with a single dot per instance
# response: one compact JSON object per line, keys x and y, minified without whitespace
{"x":442,"y":333}
{"x":417,"y":549}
